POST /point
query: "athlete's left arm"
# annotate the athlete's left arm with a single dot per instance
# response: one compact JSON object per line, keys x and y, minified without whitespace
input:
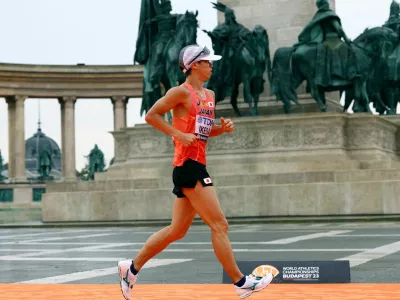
{"x":216,"y":130}
{"x":226,"y":125}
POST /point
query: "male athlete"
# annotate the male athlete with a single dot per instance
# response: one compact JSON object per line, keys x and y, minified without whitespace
{"x":192,"y":124}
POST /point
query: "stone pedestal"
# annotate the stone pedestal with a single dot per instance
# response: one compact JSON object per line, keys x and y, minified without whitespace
{"x":269,"y":106}
{"x":19,"y":203}
{"x":284,"y":165}
{"x":23,"y":194}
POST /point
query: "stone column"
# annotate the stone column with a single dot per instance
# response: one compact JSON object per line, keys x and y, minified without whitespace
{"x":119,"y":103}
{"x":126,"y":111}
{"x":68,"y":137}
{"x":19,"y":142}
{"x":11,"y":137}
{"x":61,"y":101}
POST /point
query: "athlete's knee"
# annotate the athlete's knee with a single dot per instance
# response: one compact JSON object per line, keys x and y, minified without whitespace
{"x":177,"y":233}
{"x":220,"y":225}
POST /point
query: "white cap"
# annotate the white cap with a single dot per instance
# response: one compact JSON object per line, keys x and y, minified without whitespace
{"x":194,"y":53}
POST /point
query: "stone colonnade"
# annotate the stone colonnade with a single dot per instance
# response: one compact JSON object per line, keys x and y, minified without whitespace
{"x":16,"y":133}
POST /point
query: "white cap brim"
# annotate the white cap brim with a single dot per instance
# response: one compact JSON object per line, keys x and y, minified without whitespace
{"x":211,"y":57}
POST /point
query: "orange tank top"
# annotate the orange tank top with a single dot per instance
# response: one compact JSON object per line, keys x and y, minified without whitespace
{"x":199,"y":120}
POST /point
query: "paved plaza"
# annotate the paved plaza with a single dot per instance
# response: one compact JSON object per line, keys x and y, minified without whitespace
{"x":88,"y":256}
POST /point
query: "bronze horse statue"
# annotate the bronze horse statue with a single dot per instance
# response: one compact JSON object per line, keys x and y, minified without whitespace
{"x":171,"y":75}
{"x":383,"y":85}
{"x":290,"y":68}
{"x":250,"y":61}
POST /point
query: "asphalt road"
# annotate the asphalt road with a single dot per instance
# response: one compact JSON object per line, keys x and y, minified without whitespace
{"x":89,"y":255}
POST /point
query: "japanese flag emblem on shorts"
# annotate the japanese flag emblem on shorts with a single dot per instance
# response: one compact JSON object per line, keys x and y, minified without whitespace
{"x":207,"y":180}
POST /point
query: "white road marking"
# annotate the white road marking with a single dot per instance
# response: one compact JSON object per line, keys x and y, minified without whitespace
{"x":260,"y":250}
{"x":319,"y":225}
{"x":96,"y":259}
{"x":368,"y":235}
{"x":114,"y":245}
{"x":23,"y":250}
{"x":371,"y":254}
{"x":58,"y":251}
{"x":68,"y":237}
{"x":274,"y":242}
{"x":148,"y":233}
{"x":276,"y":230}
{"x":100,"y":272}
{"x":46,"y":233}
{"x":307,"y":237}
{"x":142,"y":243}
{"x":55,"y":243}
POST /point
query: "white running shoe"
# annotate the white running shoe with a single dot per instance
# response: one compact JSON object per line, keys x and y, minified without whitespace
{"x":253,"y":284}
{"x":127,"y":279}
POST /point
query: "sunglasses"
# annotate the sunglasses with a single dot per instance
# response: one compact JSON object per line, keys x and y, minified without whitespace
{"x":204,"y":51}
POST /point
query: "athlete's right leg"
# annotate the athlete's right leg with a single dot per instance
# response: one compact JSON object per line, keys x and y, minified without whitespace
{"x":182,"y":218}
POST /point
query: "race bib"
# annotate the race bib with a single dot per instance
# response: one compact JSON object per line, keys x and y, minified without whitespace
{"x":203,"y":127}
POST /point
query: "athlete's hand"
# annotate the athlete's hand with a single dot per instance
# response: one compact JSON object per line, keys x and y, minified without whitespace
{"x":187,"y":139}
{"x":227,"y":125}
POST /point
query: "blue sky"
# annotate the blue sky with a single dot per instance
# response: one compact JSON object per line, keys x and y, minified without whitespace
{"x":102,"y":32}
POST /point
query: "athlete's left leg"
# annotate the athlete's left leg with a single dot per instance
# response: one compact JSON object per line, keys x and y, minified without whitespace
{"x":205,"y":201}
{"x":182,"y":218}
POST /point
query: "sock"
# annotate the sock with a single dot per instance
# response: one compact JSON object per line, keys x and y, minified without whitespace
{"x":241,"y":282}
{"x":133,"y":270}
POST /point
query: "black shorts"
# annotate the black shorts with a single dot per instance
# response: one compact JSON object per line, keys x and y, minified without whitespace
{"x":186,"y":176}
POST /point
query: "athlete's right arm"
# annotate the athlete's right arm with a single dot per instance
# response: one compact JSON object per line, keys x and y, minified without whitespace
{"x":174,"y":97}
